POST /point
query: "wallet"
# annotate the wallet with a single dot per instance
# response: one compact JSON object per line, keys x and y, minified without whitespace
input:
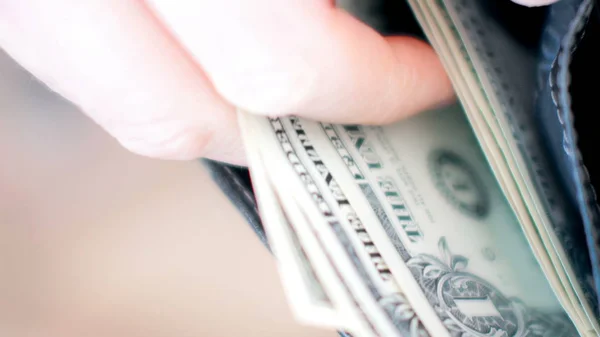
{"x":563,"y":35}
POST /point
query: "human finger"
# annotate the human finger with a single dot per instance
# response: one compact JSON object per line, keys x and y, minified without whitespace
{"x":115,"y":61}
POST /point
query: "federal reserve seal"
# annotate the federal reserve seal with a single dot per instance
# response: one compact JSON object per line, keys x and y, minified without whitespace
{"x":459,"y":183}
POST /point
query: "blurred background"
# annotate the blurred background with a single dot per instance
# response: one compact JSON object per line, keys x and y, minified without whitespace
{"x":96,"y":241}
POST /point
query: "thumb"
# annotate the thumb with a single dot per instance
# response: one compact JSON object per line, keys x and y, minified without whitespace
{"x":370,"y":79}
{"x":384,"y":79}
{"x":306,"y":58}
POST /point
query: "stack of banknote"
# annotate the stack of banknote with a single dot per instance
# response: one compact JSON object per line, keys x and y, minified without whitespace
{"x":443,"y":224}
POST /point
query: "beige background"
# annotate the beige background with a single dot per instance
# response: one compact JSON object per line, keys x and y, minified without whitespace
{"x":95,"y":241}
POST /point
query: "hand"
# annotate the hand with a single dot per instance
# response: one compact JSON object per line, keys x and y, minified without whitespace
{"x":164,"y":77}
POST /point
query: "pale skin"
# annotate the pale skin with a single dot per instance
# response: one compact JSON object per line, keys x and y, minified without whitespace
{"x":164,"y":77}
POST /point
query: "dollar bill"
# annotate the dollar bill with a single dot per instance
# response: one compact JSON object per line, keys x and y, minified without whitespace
{"x":427,"y":182}
{"x":359,"y":322}
{"x":340,"y":231}
{"x":308,"y":298}
{"x":495,"y":158}
{"x":332,"y":303}
{"x":496,"y":79}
